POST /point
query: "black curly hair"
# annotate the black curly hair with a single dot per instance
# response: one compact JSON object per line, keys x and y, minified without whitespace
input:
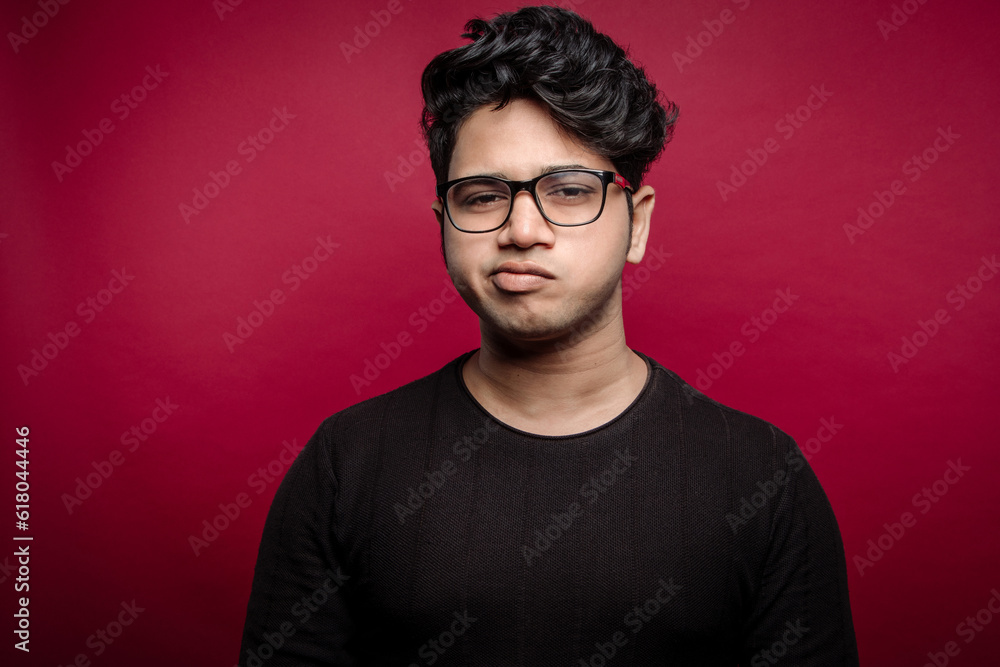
{"x":554,"y":56}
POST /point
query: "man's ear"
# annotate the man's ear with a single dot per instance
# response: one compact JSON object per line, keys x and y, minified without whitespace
{"x":438,"y":209}
{"x":642,"y":202}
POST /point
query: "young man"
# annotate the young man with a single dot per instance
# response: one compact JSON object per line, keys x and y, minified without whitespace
{"x":552,"y":497}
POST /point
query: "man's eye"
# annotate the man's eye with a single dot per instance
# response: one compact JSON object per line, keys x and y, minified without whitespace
{"x":479,"y":195}
{"x":484,"y":199}
{"x":570,"y":191}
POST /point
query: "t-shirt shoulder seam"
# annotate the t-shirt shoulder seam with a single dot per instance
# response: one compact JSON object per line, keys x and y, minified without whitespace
{"x":695,"y":394}
{"x":377,"y":401}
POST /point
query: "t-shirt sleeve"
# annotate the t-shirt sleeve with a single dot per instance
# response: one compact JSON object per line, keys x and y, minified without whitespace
{"x":801,"y":614}
{"x":297,"y":613}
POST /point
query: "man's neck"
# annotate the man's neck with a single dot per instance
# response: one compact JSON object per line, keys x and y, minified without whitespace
{"x":556,"y":388}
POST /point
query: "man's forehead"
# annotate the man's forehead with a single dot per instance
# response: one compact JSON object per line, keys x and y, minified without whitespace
{"x":520,"y":138}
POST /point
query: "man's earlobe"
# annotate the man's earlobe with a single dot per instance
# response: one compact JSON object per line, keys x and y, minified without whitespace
{"x":438,"y":212}
{"x":642,"y":201}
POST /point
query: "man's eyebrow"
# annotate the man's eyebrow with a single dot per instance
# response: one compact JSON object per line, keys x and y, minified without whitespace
{"x":560,"y":167}
{"x":545,"y":170}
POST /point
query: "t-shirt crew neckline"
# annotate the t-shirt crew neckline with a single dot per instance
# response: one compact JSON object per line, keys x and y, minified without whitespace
{"x":642,"y":397}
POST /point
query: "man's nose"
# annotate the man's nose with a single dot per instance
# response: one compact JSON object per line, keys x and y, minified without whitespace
{"x":526,"y":225}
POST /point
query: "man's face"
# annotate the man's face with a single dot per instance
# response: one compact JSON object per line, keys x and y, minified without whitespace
{"x":582,"y":266}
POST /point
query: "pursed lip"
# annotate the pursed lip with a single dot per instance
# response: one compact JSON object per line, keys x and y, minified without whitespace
{"x":522,"y":267}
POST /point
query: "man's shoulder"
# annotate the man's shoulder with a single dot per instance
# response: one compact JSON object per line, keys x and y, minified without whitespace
{"x":712,"y":422}
{"x":406,"y":404}
{"x":727,"y":450}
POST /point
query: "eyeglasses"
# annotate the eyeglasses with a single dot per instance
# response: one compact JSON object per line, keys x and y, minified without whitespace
{"x":568,"y":198}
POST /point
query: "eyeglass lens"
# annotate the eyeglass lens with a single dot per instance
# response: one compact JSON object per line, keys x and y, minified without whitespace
{"x":566,"y":197}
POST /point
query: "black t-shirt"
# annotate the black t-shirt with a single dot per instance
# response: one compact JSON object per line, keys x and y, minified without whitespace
{"x":415,"y":529}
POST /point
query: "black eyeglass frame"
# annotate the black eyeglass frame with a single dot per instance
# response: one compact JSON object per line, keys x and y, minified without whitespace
{"x":607,"y":178}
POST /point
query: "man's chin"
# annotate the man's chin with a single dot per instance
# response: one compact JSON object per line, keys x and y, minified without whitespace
{"x":537,"y":335}
{"x":551,"y":326}
{"x":530,"y":332}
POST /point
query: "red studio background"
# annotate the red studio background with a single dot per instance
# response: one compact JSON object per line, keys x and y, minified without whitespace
{"x":216,"y":228}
